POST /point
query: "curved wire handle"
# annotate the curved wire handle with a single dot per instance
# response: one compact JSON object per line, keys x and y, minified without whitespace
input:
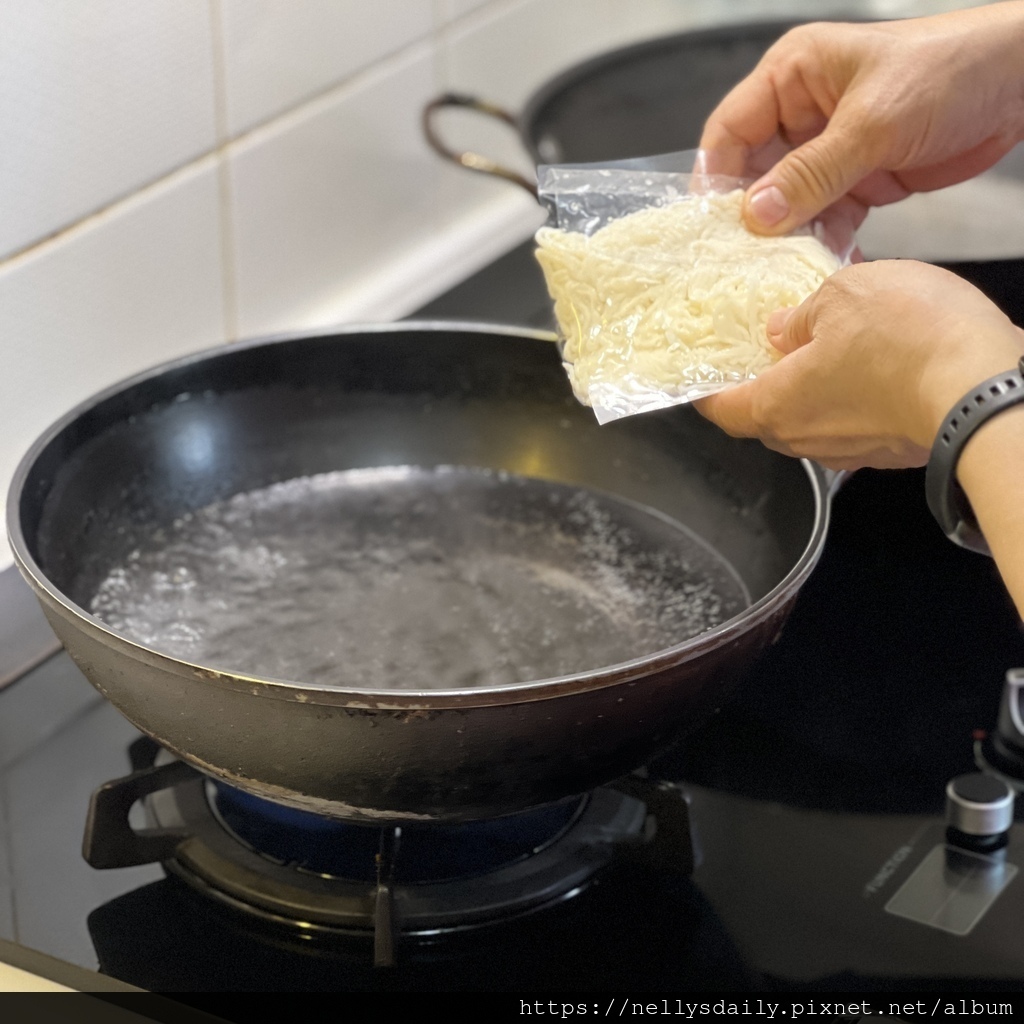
{"x":465,"y":158}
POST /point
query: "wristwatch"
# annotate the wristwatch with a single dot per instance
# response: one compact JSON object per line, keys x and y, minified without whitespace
{"x":946,"y":499}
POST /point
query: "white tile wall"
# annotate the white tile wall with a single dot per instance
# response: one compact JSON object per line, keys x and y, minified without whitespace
{"x":96,"y":100}
{"x":452,"y":9}
{"x":139,"y":285}
{"x":503,"y":55}
{"x":278,"y":52}
{"x":516,"y":47}
{"x":305,"y":219}
{"x":176,"y":172}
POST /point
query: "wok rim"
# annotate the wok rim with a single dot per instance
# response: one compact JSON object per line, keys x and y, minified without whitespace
{"x":632,"y":671}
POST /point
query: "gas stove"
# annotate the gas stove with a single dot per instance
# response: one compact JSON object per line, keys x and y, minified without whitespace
{"x":797,"y":842}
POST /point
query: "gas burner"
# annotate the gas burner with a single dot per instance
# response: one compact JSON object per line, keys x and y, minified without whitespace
{"x":433,"y":853}
{"x":320,"y":878}
{"x":218,"y":861}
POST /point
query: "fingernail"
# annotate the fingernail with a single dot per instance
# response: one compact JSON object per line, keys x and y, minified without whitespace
{"x":768,"y":206}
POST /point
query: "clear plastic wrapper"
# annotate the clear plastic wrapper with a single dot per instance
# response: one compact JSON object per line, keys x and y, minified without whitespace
{"x":661,"y":294}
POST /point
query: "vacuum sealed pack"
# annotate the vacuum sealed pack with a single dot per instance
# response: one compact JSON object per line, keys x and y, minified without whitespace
{"x":661,"y":294}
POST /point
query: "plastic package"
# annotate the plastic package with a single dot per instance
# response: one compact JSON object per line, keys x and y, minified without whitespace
{"x":661,"y":294}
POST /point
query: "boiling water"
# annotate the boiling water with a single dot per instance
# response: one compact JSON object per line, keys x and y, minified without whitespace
{"x":418,"y":579}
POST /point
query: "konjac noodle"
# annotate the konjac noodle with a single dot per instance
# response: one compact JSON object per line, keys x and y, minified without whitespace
{"x":671,"y":302}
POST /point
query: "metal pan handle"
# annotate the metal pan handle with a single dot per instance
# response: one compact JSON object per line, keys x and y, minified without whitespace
{"x":465,"y":158}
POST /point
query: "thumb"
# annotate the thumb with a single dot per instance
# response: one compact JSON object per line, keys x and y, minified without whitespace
{"x":809,"y":178}
{"x":731,"y":410}
{"x":791,"y":328}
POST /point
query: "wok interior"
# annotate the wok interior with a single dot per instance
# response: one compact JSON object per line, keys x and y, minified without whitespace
{"x":242,"y":419}
{"x":650,"y":98}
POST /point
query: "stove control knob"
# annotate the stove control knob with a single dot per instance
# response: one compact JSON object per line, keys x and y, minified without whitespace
{"x":1011,"y":712}
{"x":979,"y":810}
{"x":1002,"y":751}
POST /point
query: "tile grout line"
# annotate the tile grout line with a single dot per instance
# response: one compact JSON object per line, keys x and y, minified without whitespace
{"x":434,"y":40}
{"x":98,"y":216}
{"x":298,"y":110}
{"x":225,"y":204}
{"x":5,"y":838}
{"x":381,"y":65}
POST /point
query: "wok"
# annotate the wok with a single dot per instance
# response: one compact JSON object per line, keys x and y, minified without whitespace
{"x":153,"y":451}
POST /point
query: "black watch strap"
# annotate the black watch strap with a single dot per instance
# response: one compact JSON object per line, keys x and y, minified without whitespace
{"x":946,"y":498}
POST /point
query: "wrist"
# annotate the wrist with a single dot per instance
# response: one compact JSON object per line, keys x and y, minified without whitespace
{"x":976,"y":417}
{"x":986,"y":474}
{"x":947,"y":382}
{"x":986,"y":448}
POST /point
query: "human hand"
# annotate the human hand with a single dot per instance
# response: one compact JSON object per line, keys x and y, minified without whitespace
{"x":872,"y":363}
{"x":843,"y":117}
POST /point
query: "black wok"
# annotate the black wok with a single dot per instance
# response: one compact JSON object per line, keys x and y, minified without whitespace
{"x":174,"y":440}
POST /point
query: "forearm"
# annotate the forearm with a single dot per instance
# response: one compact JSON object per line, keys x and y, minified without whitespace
{"x":991,"y":472}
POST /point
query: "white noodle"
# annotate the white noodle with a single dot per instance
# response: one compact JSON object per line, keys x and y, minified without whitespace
{"x":671,"y":302}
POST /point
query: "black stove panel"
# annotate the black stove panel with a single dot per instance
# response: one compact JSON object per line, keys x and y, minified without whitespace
{"x":815,"y":799}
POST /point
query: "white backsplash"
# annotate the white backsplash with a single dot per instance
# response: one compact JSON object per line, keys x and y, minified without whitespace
{"x":97,"y":100}
{"x":180,"y":173}
{"x":279,"y":53}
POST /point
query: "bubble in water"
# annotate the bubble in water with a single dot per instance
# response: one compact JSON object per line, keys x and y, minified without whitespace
{"x":418,"y":579}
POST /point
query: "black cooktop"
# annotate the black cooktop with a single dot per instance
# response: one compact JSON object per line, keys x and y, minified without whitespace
{"x":815,"y":798}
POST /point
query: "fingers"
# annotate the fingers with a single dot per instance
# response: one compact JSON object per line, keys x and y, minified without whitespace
{"x":809,"y":178}
{"x":730,"y":410}
{"x":805,"y":180}
{"x":744,"y":121}
{"x":789,"y":96}
{"x":960,"y":167}
{"x":733,"y":409}
{"x":792,"y":328}
{"x":776,"y":327}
